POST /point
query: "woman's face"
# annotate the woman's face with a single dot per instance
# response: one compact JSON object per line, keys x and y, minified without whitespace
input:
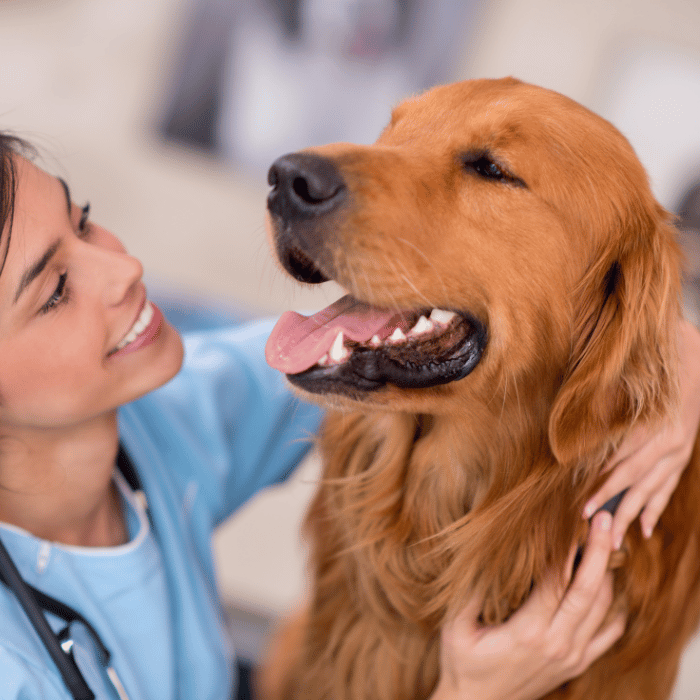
{"x":70,"y":297}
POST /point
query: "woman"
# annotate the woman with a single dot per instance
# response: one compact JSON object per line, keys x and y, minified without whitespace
{"x":88,"y":364}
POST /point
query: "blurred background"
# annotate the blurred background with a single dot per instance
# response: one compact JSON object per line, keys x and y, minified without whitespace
{"x":165,"y":114}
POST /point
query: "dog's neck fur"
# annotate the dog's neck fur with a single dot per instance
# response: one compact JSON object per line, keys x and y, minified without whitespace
{"x":414,"y":496}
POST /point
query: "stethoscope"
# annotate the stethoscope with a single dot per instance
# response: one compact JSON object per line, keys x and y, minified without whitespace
{"x":60,"y":645}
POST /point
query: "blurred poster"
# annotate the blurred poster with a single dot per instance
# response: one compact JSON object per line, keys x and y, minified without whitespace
{"x":259,"y":78}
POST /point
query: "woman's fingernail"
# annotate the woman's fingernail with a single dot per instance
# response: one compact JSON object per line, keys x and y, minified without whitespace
{"x":646,"y":531}
{"x":605,"y":522}
{"x":589,"y":509}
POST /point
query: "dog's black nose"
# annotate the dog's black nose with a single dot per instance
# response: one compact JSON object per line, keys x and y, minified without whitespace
{"x":304,"y":186}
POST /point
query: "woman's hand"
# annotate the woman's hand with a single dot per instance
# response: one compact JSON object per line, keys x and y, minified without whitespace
{"x":650,"y":462}
{"x":553,"y":638}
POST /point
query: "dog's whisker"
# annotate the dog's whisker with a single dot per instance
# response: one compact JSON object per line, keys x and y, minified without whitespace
{"x":393,"y":263}
{"x":431,"y":263}
{"x":506,"y":376}
{"x":405,"y":241}
{"x":368,"y":282}
{"x":407,"y":278}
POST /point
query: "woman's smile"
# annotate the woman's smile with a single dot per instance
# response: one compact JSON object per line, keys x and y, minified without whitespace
{"x":144,"y":331}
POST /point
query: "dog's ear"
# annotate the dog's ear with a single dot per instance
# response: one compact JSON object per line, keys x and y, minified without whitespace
{"x":623,"y":357}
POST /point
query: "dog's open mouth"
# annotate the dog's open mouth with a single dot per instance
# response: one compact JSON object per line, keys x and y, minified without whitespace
{"x":352,"y":345}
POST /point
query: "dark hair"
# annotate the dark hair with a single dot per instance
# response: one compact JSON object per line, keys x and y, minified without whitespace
{"x":10,"y":146}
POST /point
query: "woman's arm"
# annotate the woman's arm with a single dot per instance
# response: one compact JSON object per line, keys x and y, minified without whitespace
{"x":553,"y":638}
{"x":650,"y":463}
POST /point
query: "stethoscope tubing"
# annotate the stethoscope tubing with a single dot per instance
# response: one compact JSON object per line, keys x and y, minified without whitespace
{"x":27,"y":599}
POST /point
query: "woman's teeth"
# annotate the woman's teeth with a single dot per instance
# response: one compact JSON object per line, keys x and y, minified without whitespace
{"x":139,"y":327}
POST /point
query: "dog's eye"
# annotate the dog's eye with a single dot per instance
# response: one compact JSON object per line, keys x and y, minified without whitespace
{"x":483,"y":166}
{"x":486,"y":168}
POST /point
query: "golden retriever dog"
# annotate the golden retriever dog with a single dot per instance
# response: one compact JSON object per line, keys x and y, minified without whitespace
{"x":511,"y":312}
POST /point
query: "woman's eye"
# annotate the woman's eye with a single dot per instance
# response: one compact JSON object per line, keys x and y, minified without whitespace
{"x":60,"y":294}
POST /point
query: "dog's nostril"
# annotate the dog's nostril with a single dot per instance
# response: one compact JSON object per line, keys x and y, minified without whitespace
{"x":313,"y":192}
{"x":301,"y":188}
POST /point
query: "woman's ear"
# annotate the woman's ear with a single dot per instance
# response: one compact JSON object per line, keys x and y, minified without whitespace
{"x":622,"y":367}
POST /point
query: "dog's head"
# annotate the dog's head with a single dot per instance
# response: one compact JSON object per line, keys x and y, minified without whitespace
{"x":500,"y":245}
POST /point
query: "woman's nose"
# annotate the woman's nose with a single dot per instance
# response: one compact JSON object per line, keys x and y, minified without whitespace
{"x":117,"y":271}
{"x":125,"y":271}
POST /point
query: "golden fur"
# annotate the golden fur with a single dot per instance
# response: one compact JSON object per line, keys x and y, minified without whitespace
{"x":475,"y":487}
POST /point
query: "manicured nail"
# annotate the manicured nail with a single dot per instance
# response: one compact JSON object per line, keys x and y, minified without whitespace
{"x":589,"y":509}
{"x":617,"y":542}
{"x":647,"y":531}
{"x":605,"y":522}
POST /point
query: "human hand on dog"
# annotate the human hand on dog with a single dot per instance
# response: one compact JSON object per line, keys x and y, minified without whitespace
{"x":650,"y":461}
{"x":553,"y":638}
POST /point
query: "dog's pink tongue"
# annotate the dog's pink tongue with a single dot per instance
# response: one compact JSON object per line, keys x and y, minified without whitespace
{"x":297,"y":342}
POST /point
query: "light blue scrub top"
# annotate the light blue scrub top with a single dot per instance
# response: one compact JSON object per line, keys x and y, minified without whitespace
{"x":224,"y":428}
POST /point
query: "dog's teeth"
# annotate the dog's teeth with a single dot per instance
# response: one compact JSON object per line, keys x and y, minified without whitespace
{"x":375,"y":341}
{"x":397,"y":336}
{"x":338,"y":351}
{"x":441,"y":316}
{"x":422,"y":326}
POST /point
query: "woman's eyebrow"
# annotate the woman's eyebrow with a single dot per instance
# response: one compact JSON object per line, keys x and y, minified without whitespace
{"x":31,"y":273}
{"x":66,"y":191}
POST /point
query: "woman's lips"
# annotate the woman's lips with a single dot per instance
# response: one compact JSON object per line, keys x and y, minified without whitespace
{"x":152,"y":316}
